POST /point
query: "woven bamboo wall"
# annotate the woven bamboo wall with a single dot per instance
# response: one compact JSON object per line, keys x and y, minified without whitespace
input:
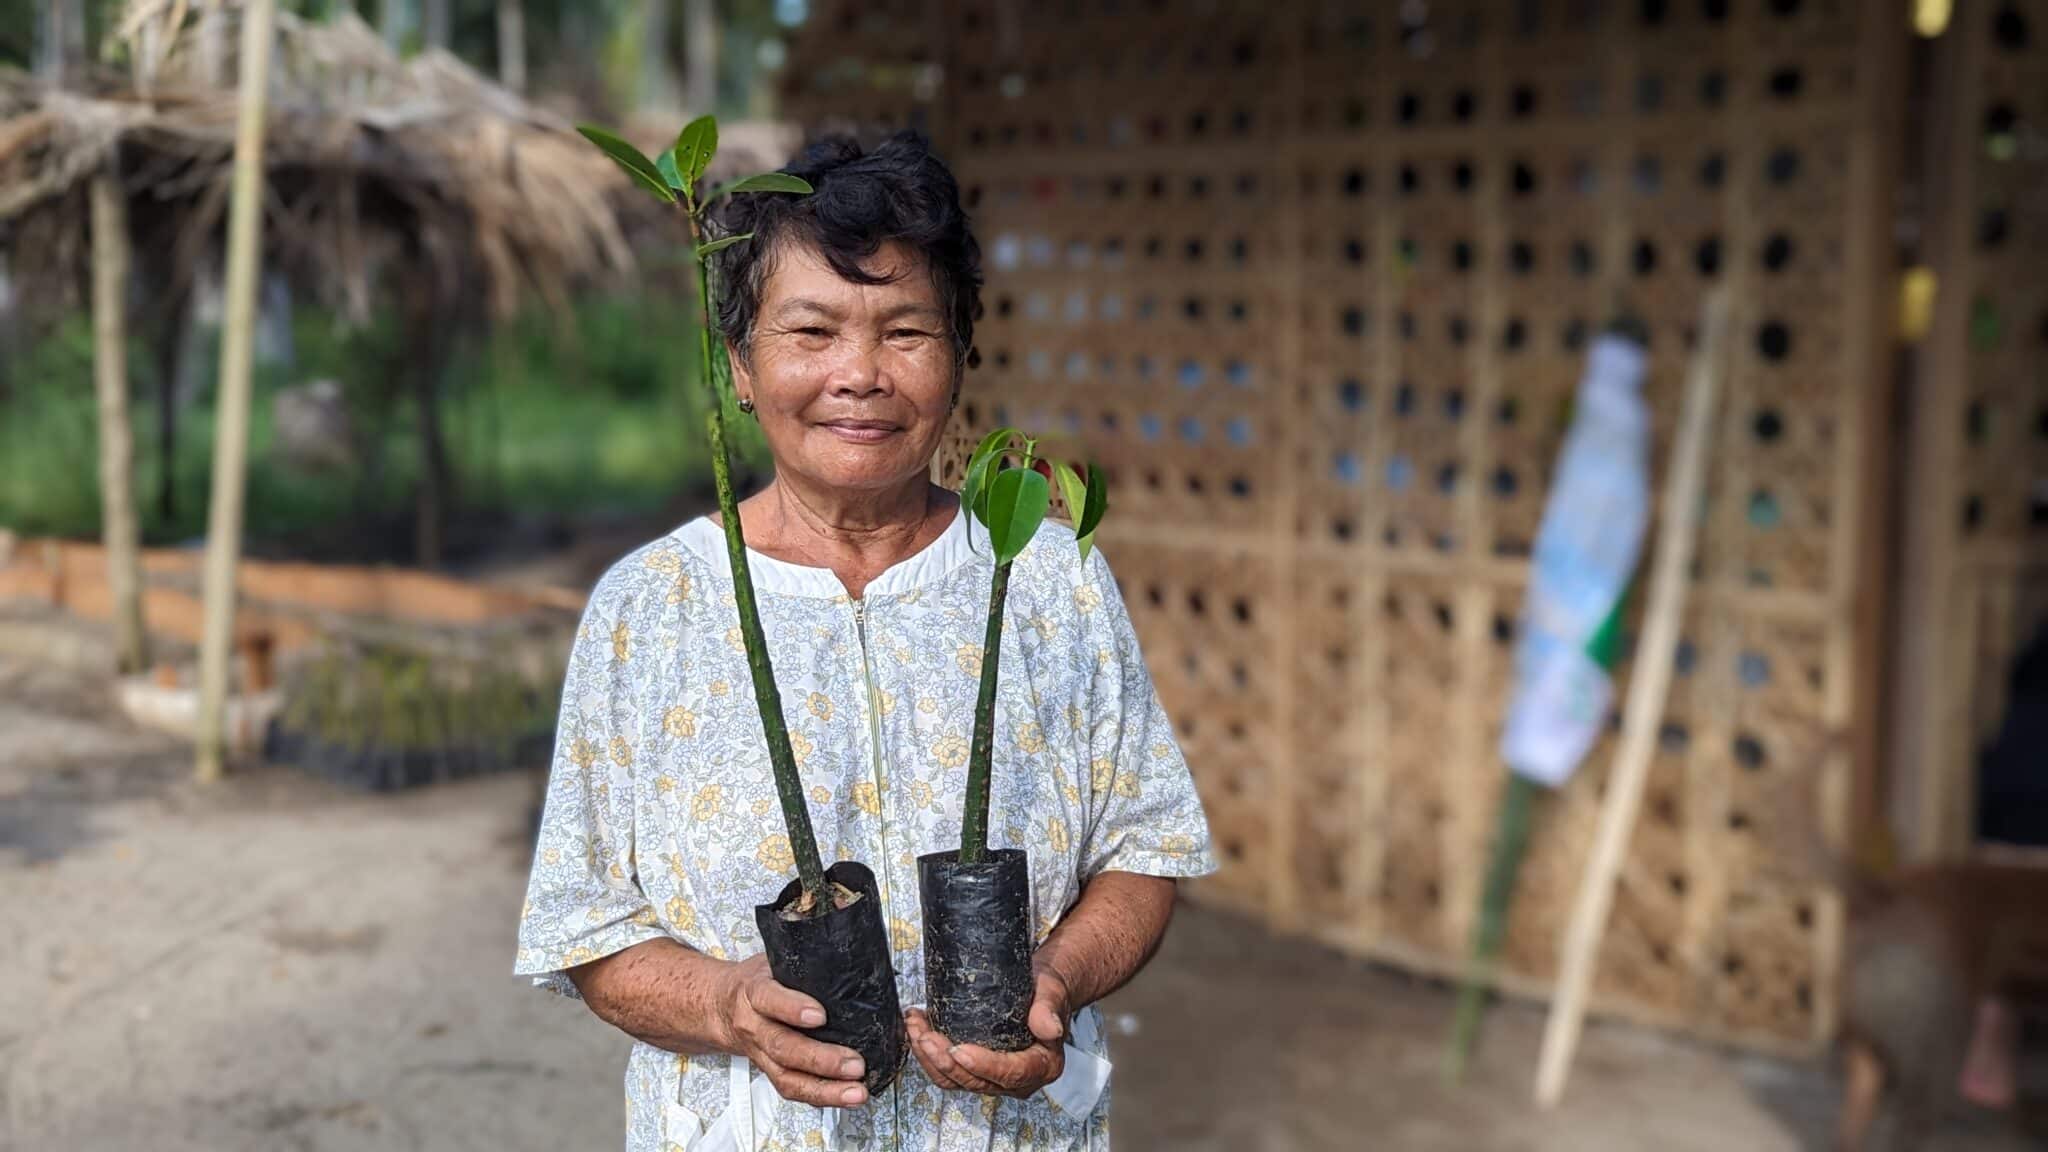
{"x":1313,"y":281}
{"x":1977,"y":558}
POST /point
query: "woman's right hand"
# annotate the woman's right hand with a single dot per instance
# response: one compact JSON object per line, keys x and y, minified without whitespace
{"x":759,"y":1018}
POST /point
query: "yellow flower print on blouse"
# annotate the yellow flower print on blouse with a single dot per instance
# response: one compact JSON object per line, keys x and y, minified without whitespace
{"x":1101,"y":773}
{"x":679,"y":722}
{"x":800,"y":746}
{"x":1030,"y":740}
{"x":774,"y":854}
{"x":821,"y":794}
{"x":1056,"y":834}
{"x":679,"y":592}
{"x":622,"y":752}
{"x":950,"y":750}
{"x":903,"y":937}
{"x":819,"y":705}
{"x":866,"y":798}
{"x":709,"y":803}
{"x":968,"y":657}
{"x":681,"y":914}
{"x":583,"y":754}
{"x":622,"y":642}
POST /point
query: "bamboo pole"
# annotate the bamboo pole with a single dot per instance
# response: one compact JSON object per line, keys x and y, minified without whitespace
{"x":512,"y":44}
{"x":1649,"y":685}
{"x":231,"y":420}
{"x":700,"y":56}
{"x":118,"y":526}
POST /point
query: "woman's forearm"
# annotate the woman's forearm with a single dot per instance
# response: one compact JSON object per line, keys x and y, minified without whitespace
{"x":660,"y":992}
{"x":1109,"y":935}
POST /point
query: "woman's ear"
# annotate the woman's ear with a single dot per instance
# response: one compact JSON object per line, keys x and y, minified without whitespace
{"x":742,"y":373}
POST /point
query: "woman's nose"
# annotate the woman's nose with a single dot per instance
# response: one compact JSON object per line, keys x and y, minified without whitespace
{"x":861,"y":374}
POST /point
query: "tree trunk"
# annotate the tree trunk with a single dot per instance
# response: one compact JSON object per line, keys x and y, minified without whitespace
{"x":392,"y":22}
{"x":110,"y":262}
{"x":213,"y":46}
{"x":171,"y":345}
{"x":657,"y":79}
{"x":512,"y":44}
{"x":700,"y":44}
{"x":435,"y":21}
{"x":60,"y":53}
{"x":436,"y":482}
{"x":231,"y":437}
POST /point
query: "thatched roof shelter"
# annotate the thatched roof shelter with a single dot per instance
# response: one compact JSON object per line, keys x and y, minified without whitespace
{"x":414,"y":185}
{"x":375,"y":166}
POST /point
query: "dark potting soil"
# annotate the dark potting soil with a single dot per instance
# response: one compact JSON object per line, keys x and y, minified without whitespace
{"x":977,"y":947}
{"x":841,"y":960}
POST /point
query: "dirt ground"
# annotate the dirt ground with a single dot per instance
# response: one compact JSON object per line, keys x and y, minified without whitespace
{"x":272,"y":963}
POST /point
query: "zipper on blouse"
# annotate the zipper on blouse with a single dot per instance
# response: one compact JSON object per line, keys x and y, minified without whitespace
{"x":875,"y":769}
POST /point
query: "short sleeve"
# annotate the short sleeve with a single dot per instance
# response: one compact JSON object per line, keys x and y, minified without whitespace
{"x":583,"y":896}
{"x":1144,"y":813}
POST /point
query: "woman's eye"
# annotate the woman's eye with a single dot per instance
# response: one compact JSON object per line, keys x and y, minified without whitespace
{"x":908,"y":334}
{"x":812,"y":332}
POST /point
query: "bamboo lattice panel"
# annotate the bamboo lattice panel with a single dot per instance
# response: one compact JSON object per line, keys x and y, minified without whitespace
{"x":1981,"y":532}
{"x":1314,"y":282}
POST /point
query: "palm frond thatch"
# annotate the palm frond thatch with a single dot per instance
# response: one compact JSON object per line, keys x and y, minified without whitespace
{"x":381,"y":173}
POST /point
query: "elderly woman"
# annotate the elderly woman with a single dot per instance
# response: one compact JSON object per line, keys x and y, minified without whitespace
{"x":850,"y":318}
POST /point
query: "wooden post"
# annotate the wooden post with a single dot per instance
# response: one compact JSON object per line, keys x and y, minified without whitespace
{"x":231,"y":427}
{"x":700,"y":56}
{"x":657,"y":91}
{"x":1678,"y":521}
{"x":1932,"y":674}
{"x":512,"y":44}
{"x":118,"y":527}
{"x":434,"y":24}
{"x":393,"y":18}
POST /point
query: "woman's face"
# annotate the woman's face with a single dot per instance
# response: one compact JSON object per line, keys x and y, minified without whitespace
{"x":852,"y":383}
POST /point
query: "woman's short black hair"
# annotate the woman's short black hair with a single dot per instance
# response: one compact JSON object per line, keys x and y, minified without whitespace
{"x":897,"y":191}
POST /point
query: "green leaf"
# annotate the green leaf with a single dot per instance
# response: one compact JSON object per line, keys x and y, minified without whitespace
{"x":974,"y":489}
{"x":1094,"y":504}
{"x":1072,"y":490}
{"x":765,"y":182}
{"x":635,"y":162}
{"x":722,"y":242}
{"x":667,"y":163}
{"x":695,"y":147}
{"x":1017,"y":503}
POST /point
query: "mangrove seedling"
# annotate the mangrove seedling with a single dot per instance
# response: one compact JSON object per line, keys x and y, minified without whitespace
{"x":673,"y":179}
{"x":1011,"y":501}
{"x":824,"y":933}
{"x":976,"y":901}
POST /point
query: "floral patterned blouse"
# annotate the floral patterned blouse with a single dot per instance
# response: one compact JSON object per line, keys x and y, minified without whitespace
{"x":661,"y":816}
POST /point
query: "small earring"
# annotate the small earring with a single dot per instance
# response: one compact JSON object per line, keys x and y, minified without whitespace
{"x":746,"y":405}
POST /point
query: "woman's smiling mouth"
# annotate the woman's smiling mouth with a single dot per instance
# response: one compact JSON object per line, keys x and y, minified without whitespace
{"x":861,"y":431}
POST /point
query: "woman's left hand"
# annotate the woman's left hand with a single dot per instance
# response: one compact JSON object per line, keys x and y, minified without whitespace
{"x":972,"y":1068}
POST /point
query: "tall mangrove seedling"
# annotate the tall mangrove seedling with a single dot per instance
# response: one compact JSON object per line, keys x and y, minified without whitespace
{"x":673,"y":179}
